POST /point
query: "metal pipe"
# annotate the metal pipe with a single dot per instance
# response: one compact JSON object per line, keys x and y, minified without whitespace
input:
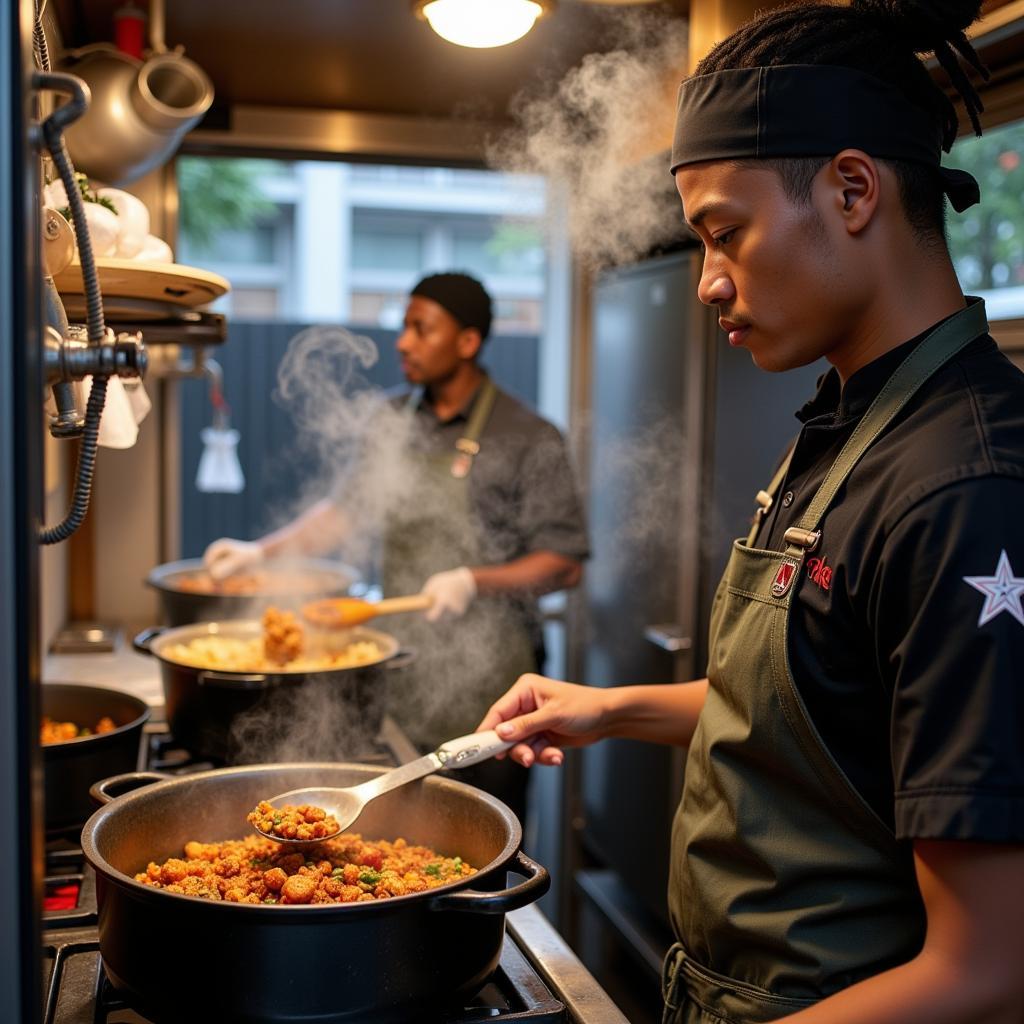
{"x":157,"y":39}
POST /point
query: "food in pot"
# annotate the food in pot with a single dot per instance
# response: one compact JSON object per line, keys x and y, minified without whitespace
{"x":60,"y":732}
{"x":289,"y":822}
{"x":348,"y":869}
{"x":253,"y":584}
{"x":280,"y":648}
{"x":283,"y":638}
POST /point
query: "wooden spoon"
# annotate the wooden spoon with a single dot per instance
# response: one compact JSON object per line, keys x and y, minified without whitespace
{"x":344,"y":612}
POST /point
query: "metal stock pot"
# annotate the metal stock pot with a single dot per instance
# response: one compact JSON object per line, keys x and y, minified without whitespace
{"x":202,"y":705}
{"x":386,"y":961}
{"x":288,"y":582}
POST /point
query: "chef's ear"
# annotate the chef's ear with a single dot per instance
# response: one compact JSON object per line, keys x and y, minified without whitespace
{"x":469,"y":342}
{"x":854,"y":180}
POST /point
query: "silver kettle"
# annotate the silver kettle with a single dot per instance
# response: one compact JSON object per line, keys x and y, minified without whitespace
{"x":139,"y":113}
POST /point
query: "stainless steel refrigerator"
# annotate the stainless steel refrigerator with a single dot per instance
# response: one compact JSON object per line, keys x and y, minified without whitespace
{"x":683,"y":432}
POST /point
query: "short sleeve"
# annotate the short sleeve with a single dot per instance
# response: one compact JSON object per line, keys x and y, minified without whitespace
{"x":948,"y":603}
{"x":551,"y":517}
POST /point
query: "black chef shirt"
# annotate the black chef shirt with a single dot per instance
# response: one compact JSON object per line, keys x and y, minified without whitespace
{"x":906,"y":635}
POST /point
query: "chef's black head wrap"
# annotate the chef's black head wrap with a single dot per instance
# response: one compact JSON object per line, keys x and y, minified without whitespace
{"x":462,"y":296}
{"x":811,"y":79}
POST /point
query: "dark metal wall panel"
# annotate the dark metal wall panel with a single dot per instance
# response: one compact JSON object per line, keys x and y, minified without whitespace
{"x":638,"y":446}
{"x":281,"y":473}
{"x":20,"y":511}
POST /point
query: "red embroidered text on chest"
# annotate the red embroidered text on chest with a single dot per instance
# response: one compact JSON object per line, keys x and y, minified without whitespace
{"x":819,"y":572}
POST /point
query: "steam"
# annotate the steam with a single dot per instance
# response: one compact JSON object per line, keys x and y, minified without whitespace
{"x":318,"y":720}
{"x":600,"y":138}
{"x":366,"y":445}
{"x":350,"y":430}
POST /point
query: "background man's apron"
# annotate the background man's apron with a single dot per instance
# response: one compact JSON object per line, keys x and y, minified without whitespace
{"x":785,"y":886}
{"x":462,"y":665}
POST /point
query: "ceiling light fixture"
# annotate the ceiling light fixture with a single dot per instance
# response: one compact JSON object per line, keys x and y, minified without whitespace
{"x":482,"y":23}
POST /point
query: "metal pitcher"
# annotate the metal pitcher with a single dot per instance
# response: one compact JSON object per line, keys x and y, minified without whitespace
{"x":140,"y":110}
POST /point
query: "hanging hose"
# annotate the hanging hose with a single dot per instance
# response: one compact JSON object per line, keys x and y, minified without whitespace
{"x":53,"y":128}
{"x":39,"y":39}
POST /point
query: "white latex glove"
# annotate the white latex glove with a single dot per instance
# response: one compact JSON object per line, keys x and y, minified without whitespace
{"x":226,"y":556}
{"x":452,"y":591}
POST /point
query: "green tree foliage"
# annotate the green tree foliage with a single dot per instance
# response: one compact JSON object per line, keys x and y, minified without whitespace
{"x":516,"y":246}
{"x":218,"y":194}
{"x":987,"y":241}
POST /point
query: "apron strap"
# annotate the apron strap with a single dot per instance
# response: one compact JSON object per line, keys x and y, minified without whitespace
{"x":468,"y":446}
{"x":935,"y":350}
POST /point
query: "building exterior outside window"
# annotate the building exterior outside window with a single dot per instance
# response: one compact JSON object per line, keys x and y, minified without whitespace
{"x":315,"y":241}
{"x":987,"y":241}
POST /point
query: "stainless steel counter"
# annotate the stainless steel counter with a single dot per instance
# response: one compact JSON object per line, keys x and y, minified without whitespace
{"x":559,"y":966}
{"x":120,"y":669}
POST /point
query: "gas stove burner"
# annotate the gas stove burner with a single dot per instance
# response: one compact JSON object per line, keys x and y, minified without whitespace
{"x":77,"y":991}
{"x":69,"y":889}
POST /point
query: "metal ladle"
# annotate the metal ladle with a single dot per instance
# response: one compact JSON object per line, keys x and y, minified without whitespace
{"x":346,"y":804}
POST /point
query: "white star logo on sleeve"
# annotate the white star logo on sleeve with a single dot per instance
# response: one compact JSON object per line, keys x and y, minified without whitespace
{"x":1003,"y":592}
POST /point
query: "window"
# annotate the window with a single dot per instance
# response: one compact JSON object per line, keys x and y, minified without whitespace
{"x":379,"y":246}
{"x":987,"y":241}
{"x":251,"y":244}
{"x":501,"y":248}
{"x":322,"y":241}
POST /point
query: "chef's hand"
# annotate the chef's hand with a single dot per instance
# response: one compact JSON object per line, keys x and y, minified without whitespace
{"x":545,"y":715}
{"x":225,"y":557}
{"x":452,"y":591}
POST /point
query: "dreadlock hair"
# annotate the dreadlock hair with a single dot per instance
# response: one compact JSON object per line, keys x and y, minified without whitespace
{"x":880,"y":38}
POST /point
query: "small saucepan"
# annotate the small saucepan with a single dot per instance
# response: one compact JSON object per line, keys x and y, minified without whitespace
{"x":71,"y":767}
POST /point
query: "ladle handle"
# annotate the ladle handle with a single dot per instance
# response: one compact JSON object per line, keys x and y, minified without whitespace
{"x":398,"y":777}
{"x":396,"y":605}
{"x":472,"y":749}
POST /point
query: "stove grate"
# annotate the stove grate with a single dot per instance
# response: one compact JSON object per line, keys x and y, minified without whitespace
{"x":76,"y":989}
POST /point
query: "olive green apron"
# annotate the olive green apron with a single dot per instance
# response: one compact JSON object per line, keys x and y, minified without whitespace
{"x":785,"y":885}
{"x":461,"y":665}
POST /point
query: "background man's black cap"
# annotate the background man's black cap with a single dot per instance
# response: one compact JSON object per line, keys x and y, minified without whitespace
{"x":461,"y":295}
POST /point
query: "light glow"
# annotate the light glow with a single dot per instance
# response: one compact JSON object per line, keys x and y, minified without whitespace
{"x":482,"y":23}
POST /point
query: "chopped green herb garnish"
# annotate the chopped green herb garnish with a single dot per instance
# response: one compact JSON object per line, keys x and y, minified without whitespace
{"x":432,"y":869}
{"x":369,"y":878}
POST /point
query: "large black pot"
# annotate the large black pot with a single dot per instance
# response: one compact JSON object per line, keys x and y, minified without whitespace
{"x":180,"y":958}
{"x":70,"y":768}
{"x":207,"y":711}
{"x":179,"y":607}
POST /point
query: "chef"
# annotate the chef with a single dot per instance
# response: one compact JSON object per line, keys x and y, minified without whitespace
{"x":484,"y":519}
{"x":848,"y":848}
